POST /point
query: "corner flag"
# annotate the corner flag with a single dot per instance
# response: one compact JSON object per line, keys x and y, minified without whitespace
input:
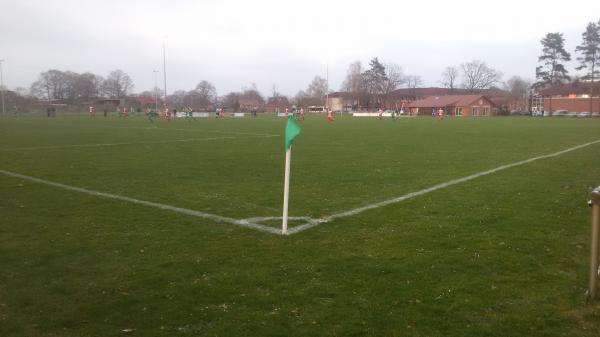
{"x":292,"y":130}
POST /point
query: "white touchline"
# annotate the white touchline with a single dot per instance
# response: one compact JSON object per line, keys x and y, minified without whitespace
{"x":231,"y":132}
{"x":124,"y":143}
{"x":193,"y":130}
{"x":213,"y":217}
{"x":354,"y":211}
{"x":310,"y":222}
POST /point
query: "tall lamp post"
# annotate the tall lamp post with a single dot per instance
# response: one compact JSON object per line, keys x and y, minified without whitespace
{"x":155,"y":91}
{"x":165,"y":69}
{"x":2,"y":87}
{"x":327,"y":88}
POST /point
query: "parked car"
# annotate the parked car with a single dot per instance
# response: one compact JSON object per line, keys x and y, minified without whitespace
{"x":584,"y":114}
{"x":595,"y":114}
{"x":537,"y":113}
{"x":518,"y":113}
{"x":559,"y":113}
{"x":572,"y":114}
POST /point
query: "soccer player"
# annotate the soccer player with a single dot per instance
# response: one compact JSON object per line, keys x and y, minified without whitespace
{"x":440,"y":114}
{"x":380,"y":113}
{"x":92,"y":111}
{"x":329,"y":116}
{"x":302,"y":113}
{"x":151,"y":115}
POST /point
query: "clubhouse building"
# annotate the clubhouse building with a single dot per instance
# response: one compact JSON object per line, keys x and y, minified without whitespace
{"x":453,"y":105}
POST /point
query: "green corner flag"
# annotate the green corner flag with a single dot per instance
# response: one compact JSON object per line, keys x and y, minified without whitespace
{"x":291,"y":131}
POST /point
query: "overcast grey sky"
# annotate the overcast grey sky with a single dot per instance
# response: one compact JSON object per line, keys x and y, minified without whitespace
{"x":234,"y":43}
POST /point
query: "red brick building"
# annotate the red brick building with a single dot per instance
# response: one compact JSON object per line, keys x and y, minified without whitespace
{"x":453,"y":105}
{"x":249,"y":104}
{"x":277,"y":104}
{"x":143,"y":101}
{"x":404,"y":96}
{"x":573,"y":97}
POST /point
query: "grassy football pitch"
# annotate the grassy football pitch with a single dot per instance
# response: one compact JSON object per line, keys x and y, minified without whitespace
{"x":504,"y":254}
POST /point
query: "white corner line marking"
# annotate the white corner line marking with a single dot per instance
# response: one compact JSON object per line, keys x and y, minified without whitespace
{"x":310,"y":222}
{"x":197,"y":131}
{"x":68,"y":146}
{"x":213,"y":217}
{"x":315,"y":222}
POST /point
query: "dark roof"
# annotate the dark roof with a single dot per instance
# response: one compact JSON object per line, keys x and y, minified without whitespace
{"x":447,"y":100}
{"x":421,"y":91}
{"x":576,"y":88}
{"x":342,"y":94}
{"x":434,"y":91}
{"x":143,"y":100}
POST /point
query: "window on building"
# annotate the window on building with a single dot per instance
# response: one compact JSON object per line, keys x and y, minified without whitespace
{"x":458,"y":111}
{"x":485,"y":110}
{"x":475,"y":111}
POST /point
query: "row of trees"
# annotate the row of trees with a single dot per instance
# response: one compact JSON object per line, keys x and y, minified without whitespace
{"x":474,"y":75}
{"x":370,"y":86}
{"x":373,"y":86}
{"x":70,"y":86}
{"x":376,"y":83}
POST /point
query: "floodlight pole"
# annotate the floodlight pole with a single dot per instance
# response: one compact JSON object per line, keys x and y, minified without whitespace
{"x":594,"y":249}
{"x":155,"y":91}
{"x":165,"y":70}
{"x":327,"y":87}
{"x":2,"y":87}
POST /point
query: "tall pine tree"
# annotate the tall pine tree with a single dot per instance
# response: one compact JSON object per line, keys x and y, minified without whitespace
{"x":590,"y":55}
{"x":375,"y":78}
{"x":552,"y":72}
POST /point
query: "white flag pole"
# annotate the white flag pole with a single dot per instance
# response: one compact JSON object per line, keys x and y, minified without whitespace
{"x":286,"y":191}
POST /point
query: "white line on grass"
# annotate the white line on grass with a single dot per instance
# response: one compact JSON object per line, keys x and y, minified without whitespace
{"x":231,"y":132}
{"x":213,"y":217}
{"x":310,"y":222}
{"x":193,"y":130}
{"x":49,"y":147}
{"x":354,"y":211}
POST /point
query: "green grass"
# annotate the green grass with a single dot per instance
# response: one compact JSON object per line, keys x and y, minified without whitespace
{"x":502,"y":255}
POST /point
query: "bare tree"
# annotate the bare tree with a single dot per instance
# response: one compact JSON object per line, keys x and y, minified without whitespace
{"x":252,"y":93}
{"x":203,"y":96}
{"x":275,"y":93}
{"x":414,"y":81}
{"x":354,"y":82}
{"x":206,"y":90}
{"x":66,"y":85}
{"x":477,"y":75}
{"x":394,"y":79}
{"x":85,"y":86}
{"x":118,"y":84}
{"x":518,"y":89}
{"x":177,"y":98}
{"x":22,"y":91}
{"x":232,"y":101}
{"x":450,"y":77}
{"x":317,"y":88}
{"x":50,"y":85}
